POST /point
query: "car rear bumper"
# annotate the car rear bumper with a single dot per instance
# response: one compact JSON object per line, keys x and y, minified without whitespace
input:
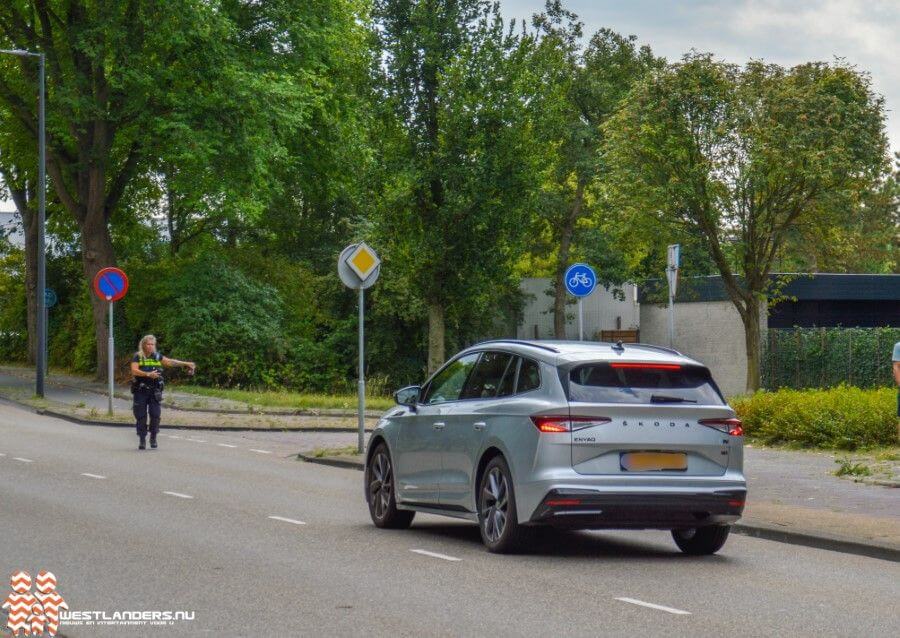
{"x":588,"y":509}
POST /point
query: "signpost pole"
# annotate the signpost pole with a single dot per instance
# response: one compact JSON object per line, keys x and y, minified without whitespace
{"x":362,"y":376}
{"x":110,"y":350}
{"x":580,"y":321}
{"x":671,"y":311}
{"x":46,"y":323}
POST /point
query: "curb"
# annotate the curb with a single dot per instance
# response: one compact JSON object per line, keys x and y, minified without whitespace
{"x":334,"y":461}
{"x":817,"y":540}
{"x":113,"y":424}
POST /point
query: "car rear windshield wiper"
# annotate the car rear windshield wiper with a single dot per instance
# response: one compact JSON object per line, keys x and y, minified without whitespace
{"x":661,"y":398}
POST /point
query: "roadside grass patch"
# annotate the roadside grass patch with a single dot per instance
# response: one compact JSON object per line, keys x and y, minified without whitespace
{"x":840,"y":418}
{"x":256,"y":399}
{"x":347,"y":450}
{"x":849,"y":468}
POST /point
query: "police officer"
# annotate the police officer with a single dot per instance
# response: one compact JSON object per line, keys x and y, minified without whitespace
{"x":147,"y":385}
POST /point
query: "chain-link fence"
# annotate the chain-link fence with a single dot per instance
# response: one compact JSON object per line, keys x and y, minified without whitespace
{"x":824,"y":357}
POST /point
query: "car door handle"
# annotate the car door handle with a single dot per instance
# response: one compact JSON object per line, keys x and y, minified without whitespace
{"x":439,"y":425}
{"x":479,"y":425}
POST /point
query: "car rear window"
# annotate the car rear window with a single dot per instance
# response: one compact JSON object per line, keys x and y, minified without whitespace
{"x":645,"y":384}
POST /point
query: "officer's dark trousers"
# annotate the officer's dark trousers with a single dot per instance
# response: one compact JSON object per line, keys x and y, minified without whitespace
{"x":145,"y":403}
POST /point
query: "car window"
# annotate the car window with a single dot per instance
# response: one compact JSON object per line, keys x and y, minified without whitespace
{"x":635,"y":383}
{"x":529,"y":376}
{"x":485,"y":379}
{"x":508,"y":382}
{"x":448,"y":383}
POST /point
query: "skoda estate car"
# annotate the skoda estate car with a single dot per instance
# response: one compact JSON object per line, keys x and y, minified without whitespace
{"x":578,"y":435}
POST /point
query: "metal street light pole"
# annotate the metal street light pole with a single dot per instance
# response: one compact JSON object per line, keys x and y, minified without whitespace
{"x":41,"y":316}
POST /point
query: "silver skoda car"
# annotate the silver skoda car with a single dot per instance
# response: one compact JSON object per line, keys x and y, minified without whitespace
{"x":578,"y":435}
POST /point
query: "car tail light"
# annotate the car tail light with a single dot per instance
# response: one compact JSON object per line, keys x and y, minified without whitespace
{"x":646,"y":366}
{"x":562,"y":423}
{"x":734,"y":427}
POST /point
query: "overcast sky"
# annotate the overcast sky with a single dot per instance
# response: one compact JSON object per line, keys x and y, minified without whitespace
{"x":864,"y":32}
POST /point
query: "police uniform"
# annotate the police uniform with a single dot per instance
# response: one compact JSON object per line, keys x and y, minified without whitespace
{"x":147,"y":395}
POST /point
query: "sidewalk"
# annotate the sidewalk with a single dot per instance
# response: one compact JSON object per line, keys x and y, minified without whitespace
{"x":87,"y":401}
{"x":794,"y":497}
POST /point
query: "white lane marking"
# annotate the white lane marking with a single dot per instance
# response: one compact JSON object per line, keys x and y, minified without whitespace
{"x":2,"y":454}
{"x":671,"y":610}
{"x":96,"y":476}
{"x":175,"y":436}
{"x":260,"y":451}
{"x":287,"y":520}
{"x":225,"y":445}
{"x":197,"y":440}
{"x":425,"y":552}
{"x":178,"y":495}
{"x":19,"y":458}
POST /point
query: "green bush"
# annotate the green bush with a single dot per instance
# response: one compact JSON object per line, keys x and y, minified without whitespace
{"x":228,"y":323}
{"x":844,"y":417}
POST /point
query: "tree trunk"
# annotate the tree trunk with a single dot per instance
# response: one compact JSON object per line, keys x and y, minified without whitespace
{"x":562,"y":262}
{"x":96,"y":253}
{"x":435,"y":336}
{"x":752,"y":338}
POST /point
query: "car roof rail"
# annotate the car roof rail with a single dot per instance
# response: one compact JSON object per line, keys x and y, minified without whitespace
{"x":653,"y":346}
{"x":518,"y":342}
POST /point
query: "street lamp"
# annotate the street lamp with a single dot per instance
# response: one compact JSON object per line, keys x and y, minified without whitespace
{"x":41,"y":319}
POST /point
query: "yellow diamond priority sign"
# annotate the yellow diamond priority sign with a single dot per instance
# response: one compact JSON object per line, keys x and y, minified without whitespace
{"x":358,"y":266}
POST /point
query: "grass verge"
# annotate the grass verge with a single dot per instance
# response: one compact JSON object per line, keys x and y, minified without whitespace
{"x":285,"y":399}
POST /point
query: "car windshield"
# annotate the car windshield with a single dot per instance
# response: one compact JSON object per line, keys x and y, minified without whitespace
{"x":642,"y":383}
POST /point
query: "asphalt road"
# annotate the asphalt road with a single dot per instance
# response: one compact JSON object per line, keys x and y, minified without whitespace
{"x":256,"y":543}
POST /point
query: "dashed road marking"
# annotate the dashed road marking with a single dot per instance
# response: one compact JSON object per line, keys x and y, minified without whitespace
{"x":225,"y":445}
{"x":260,"y":451}
{"x":2,"y":454}
{"x":197,"y":440}
{"x":425,"y":552}
{"x":671,"y":610}
{"x":178,"y":494}
{"x":175,"y":436}
{"x":95,"y":476}
{"x":287,"y":520}
{"x":19,"y":458}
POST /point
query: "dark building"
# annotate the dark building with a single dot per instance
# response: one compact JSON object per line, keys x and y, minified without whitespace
{"x":806,"y":300}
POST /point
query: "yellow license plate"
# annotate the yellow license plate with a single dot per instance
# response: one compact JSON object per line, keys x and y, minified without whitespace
{"x":653,"y":461}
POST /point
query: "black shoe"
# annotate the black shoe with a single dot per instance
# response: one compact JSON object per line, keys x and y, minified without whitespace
{"x":153,"y":441}
{"x":143,"y":444}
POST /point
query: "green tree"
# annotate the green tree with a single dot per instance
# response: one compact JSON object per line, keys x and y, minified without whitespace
{"x":580,"y":88}
{"x":458,"y":153}
{"x":200,"y":93}
{"x":742,"y":156}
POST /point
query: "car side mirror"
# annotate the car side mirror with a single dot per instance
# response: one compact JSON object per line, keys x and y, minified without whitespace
{"x":408,"y":396}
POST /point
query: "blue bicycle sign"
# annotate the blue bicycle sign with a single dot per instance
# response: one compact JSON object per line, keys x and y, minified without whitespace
{"x":580,"y":280}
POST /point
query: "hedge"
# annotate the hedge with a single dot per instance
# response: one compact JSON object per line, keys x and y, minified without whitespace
{"x":843,"y":418}
{"x":825,"y":357}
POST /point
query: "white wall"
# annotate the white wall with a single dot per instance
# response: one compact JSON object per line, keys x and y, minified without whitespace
{"x":601,"y":309}
{"x":710,"y":332}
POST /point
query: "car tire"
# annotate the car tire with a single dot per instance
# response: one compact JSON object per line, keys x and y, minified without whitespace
{"x":380,"y":492}
{"x":701,"y":541}
{"x":497,"y":517}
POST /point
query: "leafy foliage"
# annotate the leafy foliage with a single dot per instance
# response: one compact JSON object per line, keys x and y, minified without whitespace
{"x":844,"y":417}
{"x":825,"y":357}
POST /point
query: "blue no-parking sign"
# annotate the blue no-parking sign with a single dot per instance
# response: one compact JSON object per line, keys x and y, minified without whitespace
{"x":580,"y":280}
